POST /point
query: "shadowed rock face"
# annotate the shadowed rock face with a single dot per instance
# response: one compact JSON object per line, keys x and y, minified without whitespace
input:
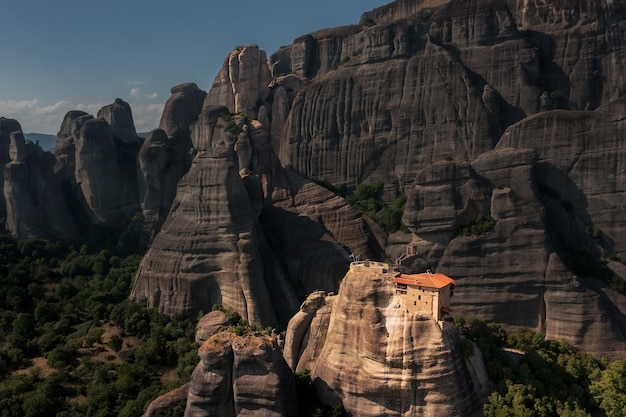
{"x":165,"y":157}
{"x":241,"y":376}
{"x":539,"y":265}
{"x":420,"y":99}
{"x":35,"y":204}
{"x":120,"y":118}
{"x":107,"y":196}
{"x":65,"y":151}
{"x":7,"y":126}
{"x":181,"y":109}
{"x":438,"y":79}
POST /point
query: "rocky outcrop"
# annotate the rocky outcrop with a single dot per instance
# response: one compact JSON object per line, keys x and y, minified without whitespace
{"x":166,"y":400}
{"x":429,"y":80}
{"x":165,"y":156}
{"x":120,"y":117}
{"x":422,"y":95}
{"x":106,"y":195}
{"x":34,"y":202}
{"x":65,"y":150}
{"x":241,"y":376}
{"x":211,"y":227}
{"x":158,"y":185}
{"x":299,"y":326}
{"x":7,"y":126}
{"x":273,"y":232}
{"x":242,"y":83}
{"x":378,"y":359}
{"x":181,"y":109}
{"x":537,"y":267}
{"x":210,"y":324}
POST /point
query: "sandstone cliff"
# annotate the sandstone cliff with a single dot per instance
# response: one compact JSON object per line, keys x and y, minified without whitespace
{"x":475,"y":110}
{"x":241,"y":376}
{"x":443,"y":101}
{"x":253,"y":228}
{"x":35,"y":204}
{"x":7,"y":126}
{"x":374,"y":357}
{"x":165,"y":156}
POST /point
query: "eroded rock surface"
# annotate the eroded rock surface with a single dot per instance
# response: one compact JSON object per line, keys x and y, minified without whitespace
{"x":34,"y":202}
{"x":241,"y":376}
{"x":103,"y":190}
{"x":375,"y":358}
{"x":275,"y":230}
{"x":207,"y":251}
{"x":535,"y":268}
{"x":7,"y":126}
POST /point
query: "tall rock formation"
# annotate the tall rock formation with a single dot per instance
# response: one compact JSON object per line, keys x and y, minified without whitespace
{"x":207,"y":250}
{"x":442,"y":101}
{"x":35,"y":204}
{"x":419,"y":96}
{"x":287,"y":222}
{"x":540,"y":265}
{"x":7,"y":126}
{"x":165,"y":156}
{"x":377,"y":358}
{"x":241,"y":376}
{"x":242,"y":84}
{"x":104,"y":192}
{"x":120,"y":117}
{"x":65,"y":150}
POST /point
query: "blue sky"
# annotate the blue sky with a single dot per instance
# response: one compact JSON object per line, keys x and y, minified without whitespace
{"x":60,"y":55}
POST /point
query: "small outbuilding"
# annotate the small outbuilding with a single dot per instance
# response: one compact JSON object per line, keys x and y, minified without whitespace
{"x":426,"y":293}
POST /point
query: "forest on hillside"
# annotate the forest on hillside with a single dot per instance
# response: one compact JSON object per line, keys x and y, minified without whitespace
{"x":73,"y":344}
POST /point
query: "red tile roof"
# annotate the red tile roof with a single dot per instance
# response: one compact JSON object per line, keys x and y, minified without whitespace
{"x":425,"y":280}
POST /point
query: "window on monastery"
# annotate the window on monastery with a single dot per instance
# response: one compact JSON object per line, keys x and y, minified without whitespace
{"x":419,"y":297}
{"x":414,"y":303}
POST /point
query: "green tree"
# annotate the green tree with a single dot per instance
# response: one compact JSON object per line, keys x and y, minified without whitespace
{"x":609,"y":390}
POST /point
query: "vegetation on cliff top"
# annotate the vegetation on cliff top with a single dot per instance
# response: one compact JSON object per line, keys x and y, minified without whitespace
{"x":368,"y":200}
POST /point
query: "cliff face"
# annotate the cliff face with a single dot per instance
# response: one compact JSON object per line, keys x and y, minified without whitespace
{"x":241,"y":376}
{"x":375,"y":357}
{"x":434,"y":80}
{"x":445,"y":102}
{"x":275,"y":229}
{"x":35,"y":205}
{"x":207,"y":250}
{"x":165,"y":155}
{"x":504,"y":112}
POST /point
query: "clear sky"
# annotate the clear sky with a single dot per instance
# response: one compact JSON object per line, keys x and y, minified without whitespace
{"x":59,"y":55}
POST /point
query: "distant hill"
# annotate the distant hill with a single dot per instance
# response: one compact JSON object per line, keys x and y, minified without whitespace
{"x":47,"y":142}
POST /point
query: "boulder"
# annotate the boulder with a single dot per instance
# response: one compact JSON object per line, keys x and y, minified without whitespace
{"x":210,"y":324}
